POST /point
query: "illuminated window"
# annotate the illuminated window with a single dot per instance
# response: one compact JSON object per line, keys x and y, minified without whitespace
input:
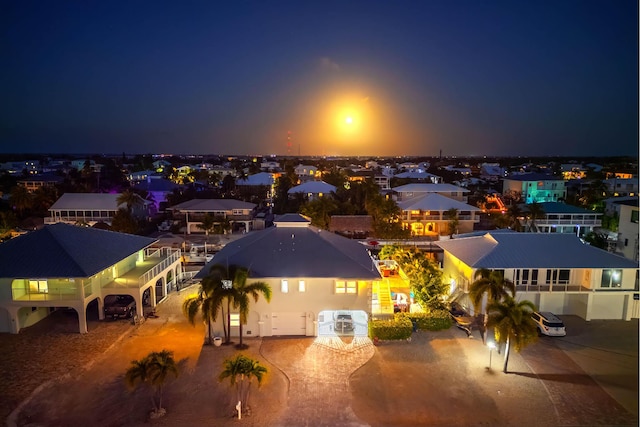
{"x":38,"y":286}
{"x":346,"y":287}
{"x":235,"y":319}
{"x":301,"y":286}
{"x":284,"y":286}
{"x":611,"y":279}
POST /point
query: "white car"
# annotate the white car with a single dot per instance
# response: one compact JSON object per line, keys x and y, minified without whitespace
{"x":549,"y":324}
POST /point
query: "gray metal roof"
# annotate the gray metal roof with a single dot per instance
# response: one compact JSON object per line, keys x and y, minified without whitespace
{"x":531,"y":250}
{"x":314,"y":187}
{"x":63,"y":250}
{"x":291,"y":252}
{"x":262,"y":178}
{"x":430,"y":188}
{"x":435,"y":202}
{"x":87,"y":201}
{"x":205,"y":205}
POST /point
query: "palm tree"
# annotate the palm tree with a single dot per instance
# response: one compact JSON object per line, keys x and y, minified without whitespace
{"x":493,"y":284}
{"x":153,"y":370}
{"x":208,"y":224}
{"x":208,"y":301}
{"x":243,"y":291}
{"x":514,"y":213}
{"x":512,"y":324}
{"x":534,"y":211}
{"x":21,"y":199}
{"x":241,"y":370}
{"x":224,"y":279}
{"x":452,"y":216}
{"x":129,"y":198}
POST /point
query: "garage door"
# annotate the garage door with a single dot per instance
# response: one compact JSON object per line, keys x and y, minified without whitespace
{"x":289,"y":323}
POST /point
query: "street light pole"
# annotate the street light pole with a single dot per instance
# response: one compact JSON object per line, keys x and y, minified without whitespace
{"x":491,"y":346}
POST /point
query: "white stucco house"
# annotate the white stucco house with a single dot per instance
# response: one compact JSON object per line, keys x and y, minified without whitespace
{"x":91,"y":208}
{"x":557,"y":272}
{"x":315,"y":276}
{"x":66,"y":266}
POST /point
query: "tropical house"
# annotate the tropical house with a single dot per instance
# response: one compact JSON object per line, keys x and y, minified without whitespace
{"x":557,"y":272}
{"x":627,"y":238}
{"x":42,"y":180}
{"x":428,"y":215}
{"x":65,"y":266}
{"x":534,"y":187}
{"x":410,"y":191}
{"x":91,"y":208}
{"x":558,"y":217}
{"x":312,"y":190}
{"x":236,"y":213}
{"x":315,"y":276}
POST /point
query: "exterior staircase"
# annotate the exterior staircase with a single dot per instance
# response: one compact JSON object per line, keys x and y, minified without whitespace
{"x":384,"y":297}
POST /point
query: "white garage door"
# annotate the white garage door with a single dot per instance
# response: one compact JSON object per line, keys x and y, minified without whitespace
{"x":289,"y":323}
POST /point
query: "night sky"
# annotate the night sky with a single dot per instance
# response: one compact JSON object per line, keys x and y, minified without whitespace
{"x":530,"y":78}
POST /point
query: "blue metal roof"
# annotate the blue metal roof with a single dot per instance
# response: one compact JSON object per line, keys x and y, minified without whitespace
{"x":531,"y":250}
{"x":63,"y":250}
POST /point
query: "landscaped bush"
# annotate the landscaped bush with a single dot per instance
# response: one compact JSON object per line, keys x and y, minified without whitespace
{"x":435,"y":320}
{"x":396,"y":329}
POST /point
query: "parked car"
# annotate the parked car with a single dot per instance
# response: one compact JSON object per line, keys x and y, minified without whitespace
{"x":549,"y":324}
{"x":117,"y":306}
{"x":344,"y":322}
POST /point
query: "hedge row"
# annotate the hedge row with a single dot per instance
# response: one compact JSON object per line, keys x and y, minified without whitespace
{"x":396,"y":329}
{"x":435,"y":320}
{"x":402,"y":325}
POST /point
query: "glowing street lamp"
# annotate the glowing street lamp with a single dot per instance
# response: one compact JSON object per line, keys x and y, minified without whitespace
{"x":491,"y":346}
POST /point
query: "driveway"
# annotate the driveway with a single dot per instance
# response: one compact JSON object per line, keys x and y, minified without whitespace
{"x":439,"y":378}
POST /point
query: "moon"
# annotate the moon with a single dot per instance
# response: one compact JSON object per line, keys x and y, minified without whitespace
{"x":348,"y":120}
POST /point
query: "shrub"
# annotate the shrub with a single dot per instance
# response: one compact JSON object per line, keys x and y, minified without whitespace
{"x":396,"y":329}
{"x":435,"y":320}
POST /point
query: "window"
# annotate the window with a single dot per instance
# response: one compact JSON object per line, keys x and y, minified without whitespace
{"x":284,"y":286}
{"x":38,"y":286}
{"x":634,"y":217}
{"x":611,"y":279}
{"x":301,"y":286}
{"x":525,"y":276}
{"x":534,"y":277}
{"x":346,"y":287}
{"x":558,"y":276}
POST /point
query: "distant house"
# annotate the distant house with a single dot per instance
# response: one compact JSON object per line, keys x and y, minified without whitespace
{"x":237,"y":213}
{"x":534,"y":187}
{"x":140,"y":176}
{"x":557,"y":272}
{"x":306,"y":172}
{"x":63,"y":265}
{"x":315,"y":276}
{"x":90,"y":208}
{"x":258,"y":188}
{"x":352,"y":226}
{"x":409,"y":191}
{"x":33,"y":182}
{"x":491,"y":172}
{"x":420,"y":177}
{"x":426,"y":215}
{"x":312,"y":190}
{"x":562,"y":218}
{"x":158,"y":188}
{"x":627,"y":242}
{"x":622,"y":186}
